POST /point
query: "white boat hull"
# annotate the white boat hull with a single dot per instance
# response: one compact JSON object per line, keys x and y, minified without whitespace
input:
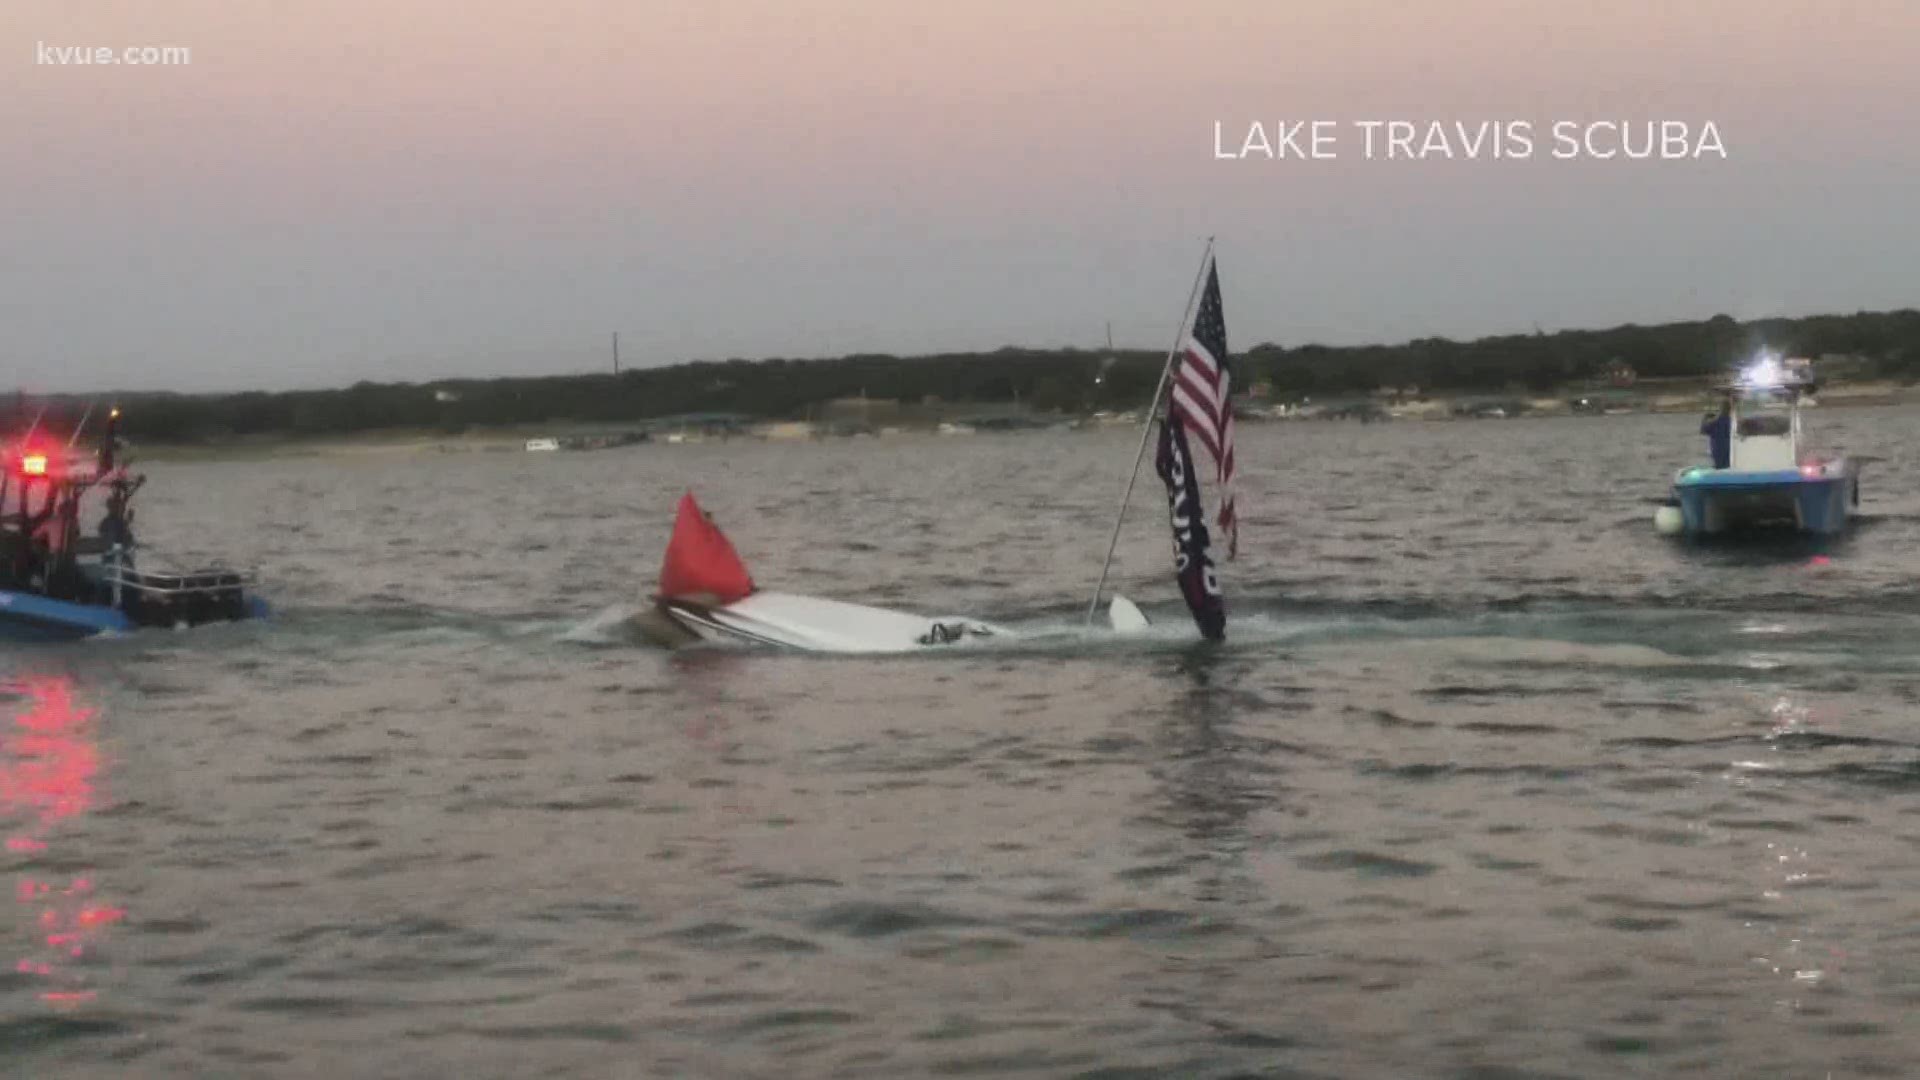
{"x":819,"y":625}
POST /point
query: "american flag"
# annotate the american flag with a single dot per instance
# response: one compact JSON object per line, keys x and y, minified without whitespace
{"x":1202,"y":385}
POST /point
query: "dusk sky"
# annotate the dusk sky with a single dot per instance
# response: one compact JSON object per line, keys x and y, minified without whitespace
{"x":418,"y":189}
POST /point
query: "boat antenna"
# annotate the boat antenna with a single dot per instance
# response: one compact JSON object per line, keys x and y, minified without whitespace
{"x":82,"y":425}
{"x":35,"y":426}
{"x":1147,"y":429}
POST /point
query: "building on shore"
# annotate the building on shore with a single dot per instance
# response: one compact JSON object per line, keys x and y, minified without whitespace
{"x":787,"y":430}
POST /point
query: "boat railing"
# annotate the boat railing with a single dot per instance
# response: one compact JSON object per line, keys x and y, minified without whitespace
{"x":121,"y":575}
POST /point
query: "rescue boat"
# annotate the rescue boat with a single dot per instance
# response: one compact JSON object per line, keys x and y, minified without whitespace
{"x":1769,"y":478}
{"x":58,"y":582}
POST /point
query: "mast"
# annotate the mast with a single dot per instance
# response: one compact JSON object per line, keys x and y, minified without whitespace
{"x":1146,"y":429}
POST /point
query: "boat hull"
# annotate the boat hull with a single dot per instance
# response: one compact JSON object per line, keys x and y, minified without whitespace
{"x":26,"y":616}
{"x":814,"y":624}
{"x":1716,"y":502}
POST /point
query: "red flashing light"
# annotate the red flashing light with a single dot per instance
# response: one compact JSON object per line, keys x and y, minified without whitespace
{"x":33,"y":465}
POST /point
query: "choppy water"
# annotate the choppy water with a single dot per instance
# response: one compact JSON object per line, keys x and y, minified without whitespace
{"x":1489,"y":781}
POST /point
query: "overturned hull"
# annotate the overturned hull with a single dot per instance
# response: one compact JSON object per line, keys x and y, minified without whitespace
{"x":815,"y":624}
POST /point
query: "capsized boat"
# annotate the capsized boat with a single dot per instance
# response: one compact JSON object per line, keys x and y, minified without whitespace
{"x":1770,"y":479}
{"x":56,"y":582}
{"x":818,"y":624}
{"x":706,"y":595}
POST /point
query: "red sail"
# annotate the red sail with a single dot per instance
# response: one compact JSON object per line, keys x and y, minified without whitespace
{"x":701,"y":564}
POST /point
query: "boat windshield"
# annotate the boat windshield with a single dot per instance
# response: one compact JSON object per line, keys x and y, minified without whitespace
{"x":1765,"y":424}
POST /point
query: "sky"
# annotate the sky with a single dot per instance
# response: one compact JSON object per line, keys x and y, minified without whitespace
{"x":370,"y":189}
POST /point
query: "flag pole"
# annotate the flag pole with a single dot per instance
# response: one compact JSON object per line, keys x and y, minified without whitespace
{"x":1159,"y":388}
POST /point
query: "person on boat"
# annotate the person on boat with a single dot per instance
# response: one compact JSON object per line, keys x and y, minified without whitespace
{"x":39,"y":562}
{"x":32,"y":547}
{"x":117,"y":526}
{"x":55,"y":542}
{"x":1718,"y":428}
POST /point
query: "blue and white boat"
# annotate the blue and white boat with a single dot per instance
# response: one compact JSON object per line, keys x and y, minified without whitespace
{"x":1770,"y":479}
{"x":56,"y":582}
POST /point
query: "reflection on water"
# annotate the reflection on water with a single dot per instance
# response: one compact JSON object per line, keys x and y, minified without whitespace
{"x":1788,"y":872}
{"x":1212,"y":778}
{"x":49,"y":770}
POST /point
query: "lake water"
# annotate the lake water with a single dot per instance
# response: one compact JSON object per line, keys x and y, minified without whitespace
{"x":1488,"y":781}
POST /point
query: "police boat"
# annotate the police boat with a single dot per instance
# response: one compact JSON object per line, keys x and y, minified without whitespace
{"x":57,"y":582}
{"x":1763,"y":475}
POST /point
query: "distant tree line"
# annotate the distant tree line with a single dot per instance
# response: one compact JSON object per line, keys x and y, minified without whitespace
{"x":1888,"y":341}
{"x":1067,"y":380}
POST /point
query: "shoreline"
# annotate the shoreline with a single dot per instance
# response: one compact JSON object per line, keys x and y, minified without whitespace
{"x":1448,"y":408}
